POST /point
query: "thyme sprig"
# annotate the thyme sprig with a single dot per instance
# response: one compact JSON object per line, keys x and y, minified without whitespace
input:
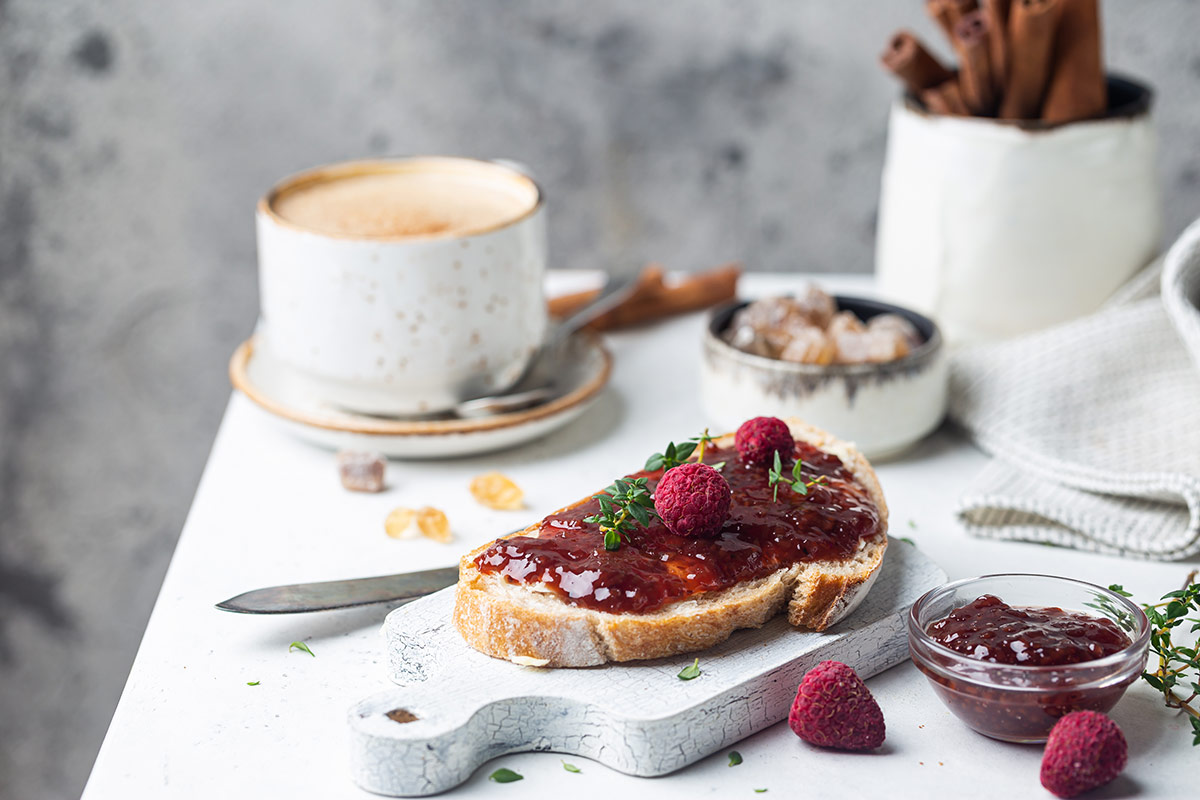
{"x":702,"y":442}
{"x":775,"y":476}
{"x":624,"y":504}
{"x":672,"y":456}
{"x":675,"y":454}
{"x":1177,"y":676}
{"x":628,"y":501}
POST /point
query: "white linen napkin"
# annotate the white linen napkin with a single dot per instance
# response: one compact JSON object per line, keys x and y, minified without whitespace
{"x":1094,"y":424}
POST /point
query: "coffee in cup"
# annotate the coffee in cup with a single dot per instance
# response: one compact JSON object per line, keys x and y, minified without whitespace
{"x":402,"y":286}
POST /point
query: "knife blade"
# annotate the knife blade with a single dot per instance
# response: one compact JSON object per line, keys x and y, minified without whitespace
{"x":299,"y":598}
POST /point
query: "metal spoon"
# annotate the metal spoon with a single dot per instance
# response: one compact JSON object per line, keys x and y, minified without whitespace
{"x":537,"y":383}
{"x":503,"y":403}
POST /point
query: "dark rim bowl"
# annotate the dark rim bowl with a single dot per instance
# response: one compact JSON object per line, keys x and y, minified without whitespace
{"x":862,"y":307}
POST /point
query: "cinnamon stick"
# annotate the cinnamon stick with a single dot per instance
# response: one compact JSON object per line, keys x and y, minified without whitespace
{"x":653,"y":299}
{"x":947,"y":13}
{"x":940,"y":12}
{"x":649,"y":283}
{"x":1032,"y":26}
{"x":974,"y":64}
{"x":945,"y":99}
{"x":909,"y":61}
{"x":998,"y":13}
{"x":1077,"y":87}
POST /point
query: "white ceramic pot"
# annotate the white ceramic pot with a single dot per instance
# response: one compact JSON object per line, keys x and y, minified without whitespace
{"x":882,"y":408}
{"x":405,"y":324}
{"x":996,"y":229}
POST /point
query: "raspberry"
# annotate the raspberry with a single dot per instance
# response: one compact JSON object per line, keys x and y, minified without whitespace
{"x":834,"y":708}
{"x":693,"y":500}
{"x":759,"y":439}
{"x":1086,"y":749}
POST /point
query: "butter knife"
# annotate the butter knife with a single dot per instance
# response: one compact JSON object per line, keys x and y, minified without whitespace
{"x":298,"y":598}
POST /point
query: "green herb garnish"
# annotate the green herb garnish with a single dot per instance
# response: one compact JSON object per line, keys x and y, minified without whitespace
{"x":735,"y":758}
{"x":912,"y":523}
{"x":690,"y":671}
{"x":253,"y":683}
{"x":302,"y":647}
{"x":759,"y":791}
{"x":571,"y":767}
{"x":1178,"y":674}
{"x":906,"y":539}
{"x":505,"y":775}
{"x":671,"y":456}
{"x":775,"y":476}
{"x":701,"y":442}
{"x":626,"y":503}
{"x":675,"y":454}
{"x":1105,"y":605}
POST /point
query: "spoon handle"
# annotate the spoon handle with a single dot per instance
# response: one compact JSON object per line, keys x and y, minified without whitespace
{"x":615,"y":291}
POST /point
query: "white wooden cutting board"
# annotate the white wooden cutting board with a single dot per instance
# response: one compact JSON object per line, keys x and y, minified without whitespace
{"x":637,"y":717}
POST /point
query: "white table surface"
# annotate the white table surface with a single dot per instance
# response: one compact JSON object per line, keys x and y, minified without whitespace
{"x":270,"y":510}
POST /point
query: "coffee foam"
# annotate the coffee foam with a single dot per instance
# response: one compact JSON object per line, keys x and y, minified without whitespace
{"x":401,"y":199}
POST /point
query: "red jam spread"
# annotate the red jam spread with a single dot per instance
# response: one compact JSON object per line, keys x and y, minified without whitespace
{"x":988,"y":629}
{"x":654,"y":568}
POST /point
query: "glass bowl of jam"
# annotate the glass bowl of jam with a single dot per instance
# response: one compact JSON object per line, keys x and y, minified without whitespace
{"x":1011,"y":654}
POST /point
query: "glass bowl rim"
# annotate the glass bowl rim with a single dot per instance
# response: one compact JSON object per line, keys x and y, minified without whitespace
{"x":1138,"y":644}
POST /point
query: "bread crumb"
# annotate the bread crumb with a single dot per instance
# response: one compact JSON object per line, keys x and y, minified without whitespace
{"x":529,"y":661}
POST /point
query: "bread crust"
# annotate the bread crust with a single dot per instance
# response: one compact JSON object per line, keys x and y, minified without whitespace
{"x":521,"y":623}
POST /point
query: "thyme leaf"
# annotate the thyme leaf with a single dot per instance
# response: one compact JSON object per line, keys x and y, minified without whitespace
{"x":505,"y":775}
{"x":776,"y":476}
{"x":624,"y":504}
{"x":302,"y":647}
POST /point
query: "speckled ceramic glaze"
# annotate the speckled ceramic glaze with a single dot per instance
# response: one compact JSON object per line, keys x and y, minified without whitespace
{"x":292,"y":404}
{"x":403,"y":325}
{"x":882,"y":408}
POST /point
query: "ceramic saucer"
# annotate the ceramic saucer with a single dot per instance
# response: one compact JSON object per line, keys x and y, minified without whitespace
{"x":271,"y":386}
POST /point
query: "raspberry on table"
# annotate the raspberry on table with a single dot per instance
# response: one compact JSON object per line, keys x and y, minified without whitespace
{"x":759,"y":439}
{"x":1085,"y":749}
{"x":834,"y":708}
{"x":693,"y":500}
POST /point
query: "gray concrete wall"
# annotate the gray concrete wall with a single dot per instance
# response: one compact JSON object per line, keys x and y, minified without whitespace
{"x":136,"y":136}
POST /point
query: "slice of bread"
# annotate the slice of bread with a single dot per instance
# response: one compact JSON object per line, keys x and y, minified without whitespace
{"x":529,"y":623}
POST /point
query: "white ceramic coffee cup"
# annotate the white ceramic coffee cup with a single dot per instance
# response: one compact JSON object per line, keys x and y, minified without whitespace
{"x":407,"y":322}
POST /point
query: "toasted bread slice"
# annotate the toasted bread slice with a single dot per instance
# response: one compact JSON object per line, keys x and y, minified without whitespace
{"x":530,"y":624}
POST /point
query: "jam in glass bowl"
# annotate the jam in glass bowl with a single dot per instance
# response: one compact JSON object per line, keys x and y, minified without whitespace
{"x":1011,"y":654}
